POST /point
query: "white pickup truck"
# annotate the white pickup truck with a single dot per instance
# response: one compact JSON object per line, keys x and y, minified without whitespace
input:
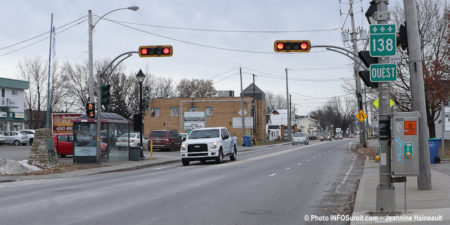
{"x":212,"y":143}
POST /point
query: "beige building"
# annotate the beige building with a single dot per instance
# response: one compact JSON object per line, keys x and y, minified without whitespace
{"x":169,"y":114}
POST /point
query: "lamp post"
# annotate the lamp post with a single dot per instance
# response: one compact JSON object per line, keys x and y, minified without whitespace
{"x":140,"y":76}
{"x":91,"y":60}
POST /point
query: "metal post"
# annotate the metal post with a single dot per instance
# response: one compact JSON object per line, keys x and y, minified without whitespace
{"x":242,"y":107}
{"x":443,"y":129}
{"x":418,"y":92}
{"x":254,"y":110}
{"x":140,"y":115}
{"x":49,"y":69}
{"x":91,"y":59}
{"x":354,"y":34}
{"x":99,"y":111}
{"x":288,"y":108}
{"x":385,"y":203}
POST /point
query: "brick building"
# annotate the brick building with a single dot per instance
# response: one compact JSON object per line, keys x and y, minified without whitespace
{"x":219,"y":111}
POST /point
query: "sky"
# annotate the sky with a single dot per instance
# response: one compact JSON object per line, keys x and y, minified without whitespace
{"x":204,"y":30}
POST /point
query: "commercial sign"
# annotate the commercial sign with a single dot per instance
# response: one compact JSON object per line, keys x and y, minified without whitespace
{"x":237,"y":122}
{"x":383,"y":40}
{"x":193,"y":120}
{"x":62,"y":122}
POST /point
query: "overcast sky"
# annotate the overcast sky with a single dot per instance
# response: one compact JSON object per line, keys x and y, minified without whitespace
{"x":313,"y":77}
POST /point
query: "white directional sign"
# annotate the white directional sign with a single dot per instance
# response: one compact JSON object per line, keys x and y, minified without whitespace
{"x":383,"y":72}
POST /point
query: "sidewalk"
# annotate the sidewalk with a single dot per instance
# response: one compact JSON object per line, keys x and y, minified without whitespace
{"x":420,"y":204}
{"x":159,"y":158}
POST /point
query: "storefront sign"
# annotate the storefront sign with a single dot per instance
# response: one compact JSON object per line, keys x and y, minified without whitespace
{"x":62,"y":122}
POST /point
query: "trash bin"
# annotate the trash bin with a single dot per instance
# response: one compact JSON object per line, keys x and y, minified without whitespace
{"x":247,"y":140}
{"x":134,"y":153}
{"x":434,"y":150}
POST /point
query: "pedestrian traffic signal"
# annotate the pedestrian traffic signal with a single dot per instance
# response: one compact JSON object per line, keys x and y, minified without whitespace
{"x":90,"y":110}
{"x":292,"y":46}
{"x":156,"y":51}
{"x":106,"y":94}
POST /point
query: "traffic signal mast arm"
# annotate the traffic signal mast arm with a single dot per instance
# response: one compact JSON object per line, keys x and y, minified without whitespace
{"x":345,"y":52}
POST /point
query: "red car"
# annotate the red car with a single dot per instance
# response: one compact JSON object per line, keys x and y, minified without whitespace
{"x":64,"y":144}
{"x":165,"y":139}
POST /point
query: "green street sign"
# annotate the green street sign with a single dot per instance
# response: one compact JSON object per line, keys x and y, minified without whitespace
{"x":383,"y":72}
{"x":382,"y":40}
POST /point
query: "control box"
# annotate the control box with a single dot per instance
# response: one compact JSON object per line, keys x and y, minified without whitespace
{"x":405,"y":143}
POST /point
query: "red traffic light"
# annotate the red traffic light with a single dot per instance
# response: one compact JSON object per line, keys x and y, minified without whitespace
{"x":90,"y":110}
{"x":156,"y":51}
{"x":292,"y":46}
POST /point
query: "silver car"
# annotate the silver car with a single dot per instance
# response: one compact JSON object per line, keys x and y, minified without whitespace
{"x":16,"y":138}
{"x":300,"y":138}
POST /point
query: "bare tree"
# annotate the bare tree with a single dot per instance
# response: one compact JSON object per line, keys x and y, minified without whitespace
{"x":198,"y":88}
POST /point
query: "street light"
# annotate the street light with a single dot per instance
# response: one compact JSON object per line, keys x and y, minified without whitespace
{"x":140,"y":76}
{"x":91,"y":60}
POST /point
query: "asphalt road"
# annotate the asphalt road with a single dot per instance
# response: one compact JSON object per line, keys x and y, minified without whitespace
{"x":276,"y":185}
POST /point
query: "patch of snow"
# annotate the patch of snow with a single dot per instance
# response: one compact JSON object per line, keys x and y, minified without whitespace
{"x":30,"y":167}
{"x":9,"y":167}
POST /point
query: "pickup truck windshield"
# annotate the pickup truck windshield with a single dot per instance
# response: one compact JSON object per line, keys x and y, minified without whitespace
{"x":212,"y":133}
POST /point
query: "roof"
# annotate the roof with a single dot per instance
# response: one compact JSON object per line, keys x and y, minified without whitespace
{"x":106,"y":118}
{"x":248,"y":91}
{"x":16,"y":84}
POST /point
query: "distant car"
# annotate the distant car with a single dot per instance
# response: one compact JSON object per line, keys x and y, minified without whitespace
{"x":183,"y":136}
{"x":64,"y":145}
{"x":351,"y":136}
{"x":135,"y":140}
{"x":2,"y":137}
{"x":300,"y":138}
{"x":325,"y":136}
{"x":15,"y":138}
{"x":166,"y":139}
{"x":338,"y":136}
{"x":30,"y":134}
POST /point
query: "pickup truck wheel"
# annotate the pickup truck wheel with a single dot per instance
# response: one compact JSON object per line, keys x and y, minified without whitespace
{"x":185,"y":162}
{"x":234,"y":155}
{"x":219,"y":158}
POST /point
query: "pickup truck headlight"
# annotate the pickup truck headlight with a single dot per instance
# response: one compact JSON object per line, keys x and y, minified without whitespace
{"x":214,"y":145}
{"x":183,"y":147}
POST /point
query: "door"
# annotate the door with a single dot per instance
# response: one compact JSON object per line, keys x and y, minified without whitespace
{"x":227,"y":149}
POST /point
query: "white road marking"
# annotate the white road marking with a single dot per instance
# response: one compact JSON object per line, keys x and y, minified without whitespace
{"x":346,"y":175}
{"x":299,"y":164}
{"x":273,"y":174}
{"x":314,"y":157}
{"x":307,"y":160}
{"x":288,"y":168}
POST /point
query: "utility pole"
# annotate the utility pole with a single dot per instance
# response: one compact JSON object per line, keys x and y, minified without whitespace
{"x":354,"y":39}
{"x":91,"y":61}
{"x":385,"y":201}
{"x":47,"y":118}
{"x":242,"y":105}
{"x":288,"y":108}
{"x":443,"y":128}
{"x":254,"y":110}
{"x":418,"y":92}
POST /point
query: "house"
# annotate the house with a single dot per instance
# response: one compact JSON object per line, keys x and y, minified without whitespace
{"x":278,"y":125}
{"x":12,"y":115}
{"x":308,"y":125}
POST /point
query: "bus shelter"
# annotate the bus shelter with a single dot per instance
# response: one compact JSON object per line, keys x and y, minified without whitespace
{"x":115,"y":139}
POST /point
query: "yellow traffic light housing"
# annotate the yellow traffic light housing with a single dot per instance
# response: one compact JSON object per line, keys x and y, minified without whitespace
{"x":292,"y":46}
{"x":156,"y":51}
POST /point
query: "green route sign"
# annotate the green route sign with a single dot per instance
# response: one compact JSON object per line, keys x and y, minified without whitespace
{"x":382,"y":40}
{"x":383,"y":72}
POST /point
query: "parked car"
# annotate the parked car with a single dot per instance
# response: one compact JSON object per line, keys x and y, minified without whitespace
{"x":300,"y":138}
{"x":2,"y":138}
{"x":325,"y":136}
{"x":30,"y":134}
{"x":135,"y":140}
{"x":351,"y":136}
{"x":338,"y":136}
{"x":64,"y":145}
{"x":165,"y":139}
{"x":16,"y":138}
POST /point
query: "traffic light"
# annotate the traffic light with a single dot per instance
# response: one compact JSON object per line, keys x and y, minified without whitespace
{"x":106,"y":94}
{"x":90,"y":110}
{"x":402,"y":37}
{"x":367,"y":59}
{"x":292,"y":46}
{"x":156,"y":51}
{"x":365,"y":76}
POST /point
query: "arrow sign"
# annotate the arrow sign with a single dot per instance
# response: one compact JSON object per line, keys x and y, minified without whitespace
{"x":361,"y":116}
{"x":376,"y":103}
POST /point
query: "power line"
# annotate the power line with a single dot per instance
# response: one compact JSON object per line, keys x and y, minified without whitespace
{"x":226,"y":30}
{"x":40,"y":35}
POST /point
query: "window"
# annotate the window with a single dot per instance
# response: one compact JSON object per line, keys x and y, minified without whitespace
{"x":209,"y":111}
{"x":173,"y":111}
{"x":193,"y":109}
{"x":155,"y":112}
{"x":14,"y":92}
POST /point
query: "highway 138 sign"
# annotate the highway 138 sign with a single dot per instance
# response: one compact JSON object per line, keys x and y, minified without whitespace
{"x":382,"y":40}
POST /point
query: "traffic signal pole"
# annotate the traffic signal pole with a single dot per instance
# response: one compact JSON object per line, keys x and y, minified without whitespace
{"x":385,"y":203}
